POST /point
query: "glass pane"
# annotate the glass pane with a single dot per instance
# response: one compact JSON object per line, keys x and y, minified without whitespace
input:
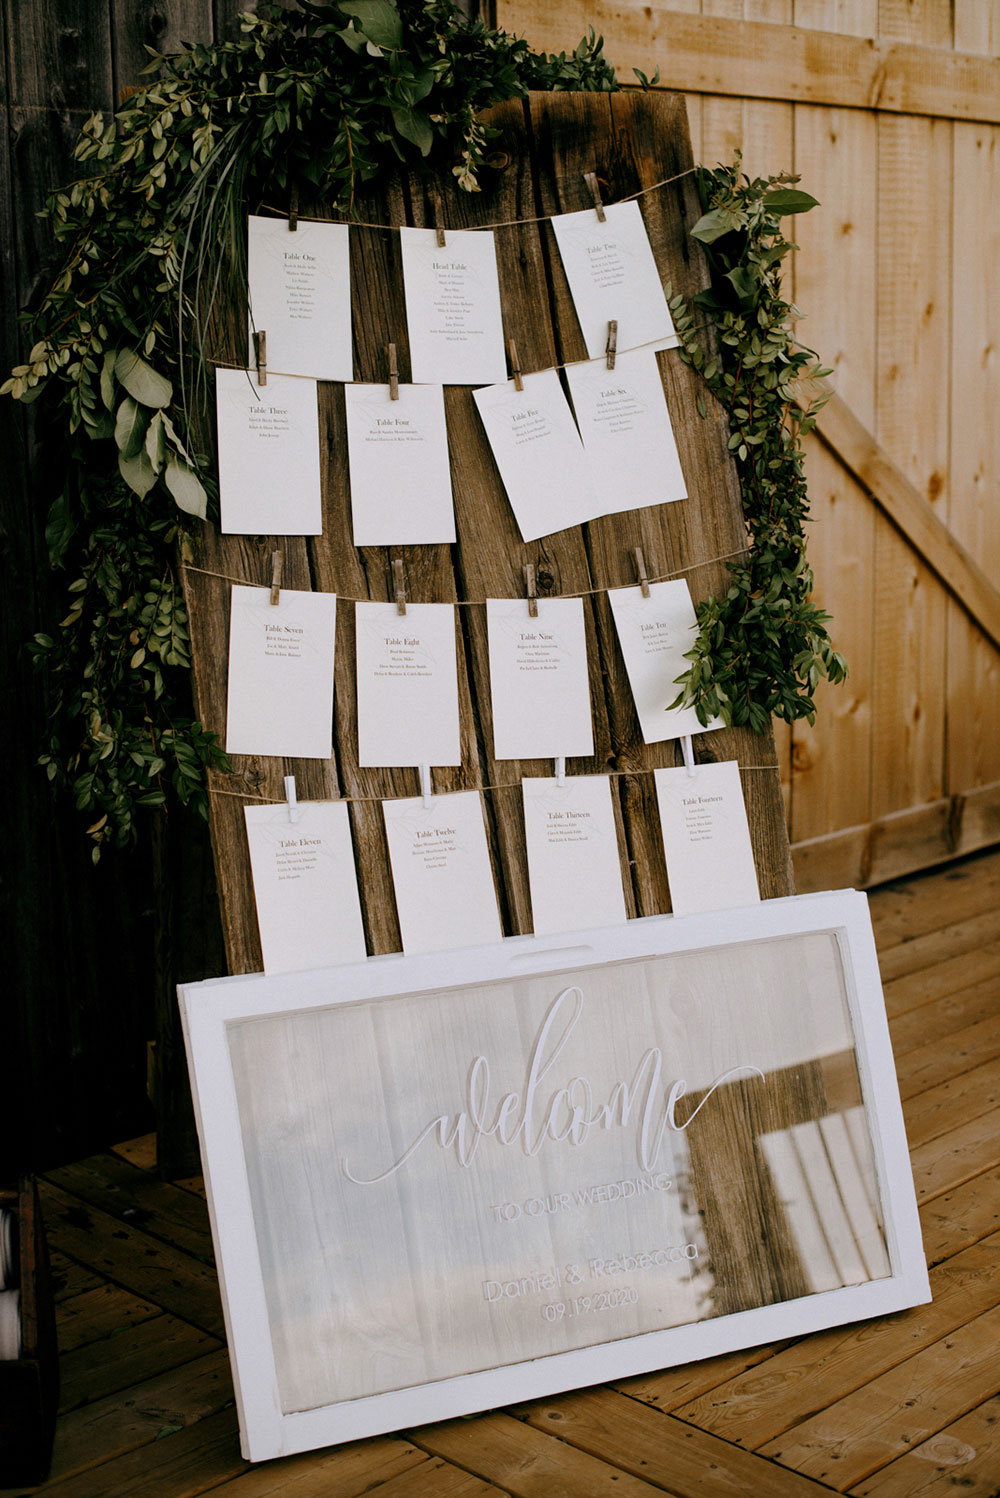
{"x":460,"y":1180}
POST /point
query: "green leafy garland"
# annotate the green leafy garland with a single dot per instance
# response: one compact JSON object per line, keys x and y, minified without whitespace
{"x":763,"y":646}
{"x":326,"y":96}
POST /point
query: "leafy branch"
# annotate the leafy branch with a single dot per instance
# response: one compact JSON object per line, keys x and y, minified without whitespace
{"x":762,"y":647}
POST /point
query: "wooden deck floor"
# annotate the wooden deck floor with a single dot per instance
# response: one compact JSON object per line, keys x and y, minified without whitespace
{"x":906,"y":1407}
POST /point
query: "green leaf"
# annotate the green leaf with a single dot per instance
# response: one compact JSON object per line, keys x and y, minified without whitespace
{"x":156,"y":442}
{"x":137,"y":472}
{"x":130,"y":427}
{"x":784,"y":200}
{"x":108,"y":379}
{"x":354,"y":39}
{"x":186,"y":487}
{"x":712,"y":226}
{"x":142,"y":381}
{"x":414,"y":126}
{"x":59,"y":529}
{"x":378,"y":20}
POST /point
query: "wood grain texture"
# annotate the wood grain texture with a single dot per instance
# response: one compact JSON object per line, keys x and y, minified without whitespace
{"x":866,"y":1430}
{"x":964,"y":1457}
{"x":633,"y":141}
{"x":721,"y":55}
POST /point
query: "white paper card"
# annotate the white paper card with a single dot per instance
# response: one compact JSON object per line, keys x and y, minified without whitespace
{"x":398,"y":454}
{"x":269,"y":481}
{"x":280,"y":698}
{"x":407,"y":685}
{"x":625,"y":428}
{"x":706,"y":838}
{"x":654,"y":633}
{"x":453,"y":308}
{"x":539,"y":454}
{"x":573,"y":866}
{"x":445,"y":896}
{"x":300,"y":295}
{"x":305,"y":885}
{"x":612,"y":275}
{"x":538,"y":679}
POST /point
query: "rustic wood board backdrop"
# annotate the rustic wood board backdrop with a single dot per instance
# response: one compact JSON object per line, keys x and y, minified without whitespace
{"x":547,"y":143}
{"x":890,"y":110}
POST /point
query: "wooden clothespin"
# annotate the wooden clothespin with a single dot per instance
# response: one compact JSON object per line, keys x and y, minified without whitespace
{"x":640,"y":562}
{"x":425,"y":786}
{"x":687,"y":749}
{"x":595,"y":192}
{"x":438,"y":224}
{"x":530,"y":589}
{"x":293,"y":209}
{"x":399,"y":586}
{"x":515,"y":364}
{"x":275,"y":576}
{"x":290,"y":796}
{"x":260,"y":354}
{"x":612,"y":344}
{"x":393,"y":374}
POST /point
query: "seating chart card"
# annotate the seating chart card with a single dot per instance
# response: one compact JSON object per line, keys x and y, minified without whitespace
{"x":407,"y":685}
{"x":280,"y":697}
{"x":625,"y":428}
{"x":538,"y":679}
{"x":300,"y":295}
{"x":574,"y":870}
{"x":441,"y":872}
{"x":612,"y":275}
{"x":654,"y":633}
{"x":305,"y":886}
{"x":539,"y":454}
{"x":706,"y":838}
{"x":398,"y":455}
{"x":453,"y":308}
{"x":269,"y":482}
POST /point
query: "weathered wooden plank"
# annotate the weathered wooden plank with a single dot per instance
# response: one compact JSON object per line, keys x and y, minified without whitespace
{"x":109,"y":1427}
{"x":805,"y":1377}
{"x":932,"y":947}
{"x":138,"y":1199}
{"x":953,"y":1052}
{"x":363,"y":1466}
{"x":751,"y":59}
{"x":884,"y":481}
{"x":934,"y":1112}
{"x":950,"y":1016}
{"x":972,"y":751}
{"x":957,"y":1156}
{"x":70,"y":1279}
{"x":525,"y":1463}
{"x":99,"y":1313}
{"x":868,"y":1429}
{"x":949,"y":976}
{"x":900,"y":843}
{"x":907,"y":908}
{"x":687,"y":1461}
{"x":676,"y":1386}
{"x":139,"y":1353}
{"x":960,"y":1217}
{"x":153,"y":1271}
{"x":965,"y":1458}
{"x":187,"y":1462}
{"x":138,"y":24}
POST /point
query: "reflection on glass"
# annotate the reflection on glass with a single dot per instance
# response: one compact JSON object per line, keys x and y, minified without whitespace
{"x":459,"y":1180}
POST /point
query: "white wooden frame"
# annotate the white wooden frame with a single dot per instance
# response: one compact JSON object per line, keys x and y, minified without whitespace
{"x":209,"y":1008}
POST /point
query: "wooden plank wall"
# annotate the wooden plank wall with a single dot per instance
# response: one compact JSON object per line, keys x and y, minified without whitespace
{"x":896,"y":278}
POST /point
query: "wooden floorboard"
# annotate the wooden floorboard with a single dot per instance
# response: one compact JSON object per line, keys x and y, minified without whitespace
{"x":903,"y":1407}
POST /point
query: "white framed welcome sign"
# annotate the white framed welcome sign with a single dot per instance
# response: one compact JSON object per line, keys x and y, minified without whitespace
{"x":442,"y":1182}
